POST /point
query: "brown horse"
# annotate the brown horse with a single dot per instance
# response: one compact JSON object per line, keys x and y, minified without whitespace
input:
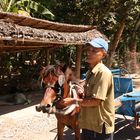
{"x":57,"y":98}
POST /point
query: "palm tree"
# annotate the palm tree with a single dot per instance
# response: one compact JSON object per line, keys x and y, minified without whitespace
{"x":26,"y":8}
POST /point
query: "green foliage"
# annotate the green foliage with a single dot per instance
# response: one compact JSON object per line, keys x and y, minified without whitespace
{"x":105,"y":14}
{"x":65,"y":54}
{"x":33,"y":8}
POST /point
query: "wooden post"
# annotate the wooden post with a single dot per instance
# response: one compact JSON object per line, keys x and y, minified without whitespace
{"x":47,"y":60}
{"x":78,"y":60}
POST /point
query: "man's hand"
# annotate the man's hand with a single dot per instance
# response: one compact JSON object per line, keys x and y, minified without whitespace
{"x":70,"y":101}
{"x":81,"y":93}
{"x":89,"y":102}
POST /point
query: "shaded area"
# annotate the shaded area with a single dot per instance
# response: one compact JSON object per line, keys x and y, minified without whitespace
{"x":34,"y":96}
{"x":39,"y":126}
{"x":123,"y":131}
{"x":126,"y":132}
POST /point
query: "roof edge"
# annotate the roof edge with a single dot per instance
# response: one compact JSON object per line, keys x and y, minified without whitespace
{"x":44,"y":24}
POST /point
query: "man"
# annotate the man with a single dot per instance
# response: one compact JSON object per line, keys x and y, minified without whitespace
{"x":97,"y":107}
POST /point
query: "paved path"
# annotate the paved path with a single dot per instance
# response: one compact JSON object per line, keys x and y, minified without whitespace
{"x":27,"y":124}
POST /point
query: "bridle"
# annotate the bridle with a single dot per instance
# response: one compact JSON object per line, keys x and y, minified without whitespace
{"x":59,"y":87}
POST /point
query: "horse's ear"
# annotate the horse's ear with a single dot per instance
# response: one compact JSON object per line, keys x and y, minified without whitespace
{"x":64,"y":68}
{"x":58,"y":69}
{"x":42,"y":71}
{"x":42,"y":68}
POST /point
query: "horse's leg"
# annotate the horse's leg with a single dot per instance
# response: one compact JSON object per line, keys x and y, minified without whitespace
{"x":77,"y":131}
{"x":60,"y":130}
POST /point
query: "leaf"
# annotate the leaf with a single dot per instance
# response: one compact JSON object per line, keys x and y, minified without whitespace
{"x":14,"y":9}
{"x":36,"y":7}
{"x":24,"y":13}
{"x":130,"y":18}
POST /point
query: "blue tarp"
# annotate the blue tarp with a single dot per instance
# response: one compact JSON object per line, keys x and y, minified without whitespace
{"x":133,"y":96}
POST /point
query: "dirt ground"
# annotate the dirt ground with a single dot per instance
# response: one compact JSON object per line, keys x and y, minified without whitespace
{"x":22,"y":122}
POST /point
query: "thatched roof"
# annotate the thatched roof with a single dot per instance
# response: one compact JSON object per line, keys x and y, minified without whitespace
{"x":23,"y":33}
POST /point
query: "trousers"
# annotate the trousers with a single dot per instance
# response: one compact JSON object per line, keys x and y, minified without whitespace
{"x":91,"y":135}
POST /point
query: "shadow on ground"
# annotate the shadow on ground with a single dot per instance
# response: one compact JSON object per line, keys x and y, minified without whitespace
{"x":34,"y":96}
{"x":123,"y":131}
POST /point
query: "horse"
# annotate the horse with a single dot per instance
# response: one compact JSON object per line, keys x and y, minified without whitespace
{"x":60,"y":88}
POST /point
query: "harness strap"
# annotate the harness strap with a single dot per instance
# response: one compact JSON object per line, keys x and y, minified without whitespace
{"x":68,"y":109}
{"x":65,"y":111}
{"x":73,"y":91}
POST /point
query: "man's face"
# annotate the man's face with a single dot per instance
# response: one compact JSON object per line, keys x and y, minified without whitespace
{"x":94,"y":55}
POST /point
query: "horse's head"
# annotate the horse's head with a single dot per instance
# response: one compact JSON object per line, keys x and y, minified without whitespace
{"x":60,"y":87}
{"x":50,"y":74}
{"x":56,"y":86}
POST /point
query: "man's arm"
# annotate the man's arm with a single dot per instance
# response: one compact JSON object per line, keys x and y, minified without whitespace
{"x":89,"y":102}
{"x":82,"y":102}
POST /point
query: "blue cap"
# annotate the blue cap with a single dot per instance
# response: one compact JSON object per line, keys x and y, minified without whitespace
{"x":99,"y":43}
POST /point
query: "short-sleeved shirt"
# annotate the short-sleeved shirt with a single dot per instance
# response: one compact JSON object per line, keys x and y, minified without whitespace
{"x":99,"y":85}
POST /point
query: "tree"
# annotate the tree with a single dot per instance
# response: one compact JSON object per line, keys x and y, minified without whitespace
{"x":26,"y":8}
{"x":133,"y":45}
{"x":111,"y":17}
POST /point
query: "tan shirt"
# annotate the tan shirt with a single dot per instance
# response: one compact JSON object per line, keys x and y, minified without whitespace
{"x":99,"y":85}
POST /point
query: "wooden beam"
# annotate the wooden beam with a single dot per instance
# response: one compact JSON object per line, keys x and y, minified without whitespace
{"x":45,"y":43}
{"x":10,"y":48}
{"x":45,"y":24}
{"x":18,"y":50}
